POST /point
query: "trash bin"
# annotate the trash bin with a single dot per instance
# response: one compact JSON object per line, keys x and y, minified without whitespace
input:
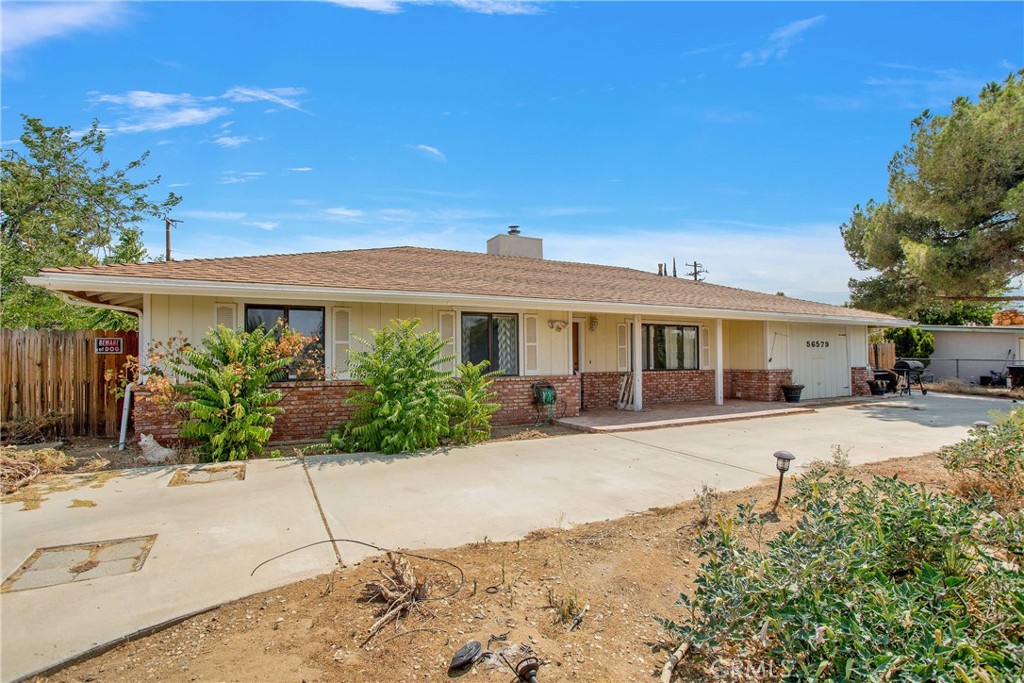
{"x":1016,"y":375}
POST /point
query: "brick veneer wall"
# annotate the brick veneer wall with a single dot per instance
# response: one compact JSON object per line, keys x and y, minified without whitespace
{"x":859,"y":381}
{"x":149,"y":417}
{"x":677,"y":386}
{"x":313,"y":407}
{"x":755,"y":385}
{"x":515,"y":394}
{"x":601,"y":389}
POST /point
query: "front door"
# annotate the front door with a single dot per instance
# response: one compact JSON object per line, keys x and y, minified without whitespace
{"x":575,"y":348}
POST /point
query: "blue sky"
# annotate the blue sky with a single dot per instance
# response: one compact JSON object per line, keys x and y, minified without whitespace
{"x":737,"y":134}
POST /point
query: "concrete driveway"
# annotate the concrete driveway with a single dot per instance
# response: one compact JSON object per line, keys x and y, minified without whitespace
{"x":210,"y":536}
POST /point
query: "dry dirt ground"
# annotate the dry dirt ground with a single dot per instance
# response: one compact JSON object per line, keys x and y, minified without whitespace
{"x":628,"y":571}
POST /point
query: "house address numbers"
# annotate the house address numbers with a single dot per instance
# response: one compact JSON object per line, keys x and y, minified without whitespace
{"x":814,"y":344}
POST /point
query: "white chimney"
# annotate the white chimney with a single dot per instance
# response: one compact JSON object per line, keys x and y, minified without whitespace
{"x":514,"y":244}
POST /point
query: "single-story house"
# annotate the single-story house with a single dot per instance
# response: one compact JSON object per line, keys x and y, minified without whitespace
{"x":972,"y":353}
{"x":581,"y":327}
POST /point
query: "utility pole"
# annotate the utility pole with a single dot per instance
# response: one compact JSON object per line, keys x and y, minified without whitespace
{"x":698,"y":270}
{"x":168,"y":222}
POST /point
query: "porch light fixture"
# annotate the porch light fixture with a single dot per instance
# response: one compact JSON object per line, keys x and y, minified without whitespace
{"x":783,"y":459}
{"x":592,"y":323}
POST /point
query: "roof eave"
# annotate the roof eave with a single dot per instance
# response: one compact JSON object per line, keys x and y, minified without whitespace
{"x":75,"y":284}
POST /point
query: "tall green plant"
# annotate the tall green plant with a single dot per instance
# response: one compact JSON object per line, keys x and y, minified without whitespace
{"x":912,"y":342}
{"x":406,"y":404}
{"x":472,"y":402}
{"x":229,"y":404}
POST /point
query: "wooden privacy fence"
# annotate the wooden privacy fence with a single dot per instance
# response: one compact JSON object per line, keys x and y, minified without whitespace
{"x":60,"y":371}
{"x":882,"y":356}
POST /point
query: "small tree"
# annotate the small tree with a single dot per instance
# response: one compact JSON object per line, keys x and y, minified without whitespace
{"x":912,"y":342}
{"x":63,"y":204}
{"x":406,"y":405}
{"x":229,"y":405}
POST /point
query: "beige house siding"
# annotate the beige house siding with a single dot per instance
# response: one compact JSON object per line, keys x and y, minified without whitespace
{"x":743,"y":344}
{"x":193,"y":317}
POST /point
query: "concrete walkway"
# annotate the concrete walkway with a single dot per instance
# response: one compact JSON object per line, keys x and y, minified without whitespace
{"x":209,"y":537}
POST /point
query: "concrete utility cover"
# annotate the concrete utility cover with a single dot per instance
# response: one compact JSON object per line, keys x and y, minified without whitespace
{"x":68,"y":563}
{"x":206,"y":474}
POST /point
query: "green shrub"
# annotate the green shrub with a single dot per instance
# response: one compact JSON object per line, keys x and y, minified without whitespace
{"x":405,"y":406}
{"x":990,"y":461}
{"x":912,"y":342}
{"x":409,"y":403}
{"x":879,"y":581}
{"x":472,"y":402}
{"x":228,"y":401}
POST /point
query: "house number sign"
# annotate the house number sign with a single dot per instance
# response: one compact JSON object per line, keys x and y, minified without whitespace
{"x":109,"y":345}
{"x":817,"y":344}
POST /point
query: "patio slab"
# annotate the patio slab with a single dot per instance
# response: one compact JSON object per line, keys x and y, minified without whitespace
{"x":609,"y":420}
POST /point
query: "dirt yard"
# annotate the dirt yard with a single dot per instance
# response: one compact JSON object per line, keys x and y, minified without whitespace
{"x":514,"y":598}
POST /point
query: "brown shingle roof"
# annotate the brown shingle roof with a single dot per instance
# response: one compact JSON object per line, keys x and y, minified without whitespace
{"x":436,"y":271}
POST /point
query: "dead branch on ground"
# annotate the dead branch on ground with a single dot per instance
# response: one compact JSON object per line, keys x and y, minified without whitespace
{"x":400,"y":592}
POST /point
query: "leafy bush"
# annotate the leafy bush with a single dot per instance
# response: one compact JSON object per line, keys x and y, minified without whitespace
{"x":912,"y":342}
{"x":410,"y":403}
{"x":990,"y":462}
{"x":472,"y":402}
{"x":879,"y":581}
{"x":229,"y":404}
{"x":405,"y":405}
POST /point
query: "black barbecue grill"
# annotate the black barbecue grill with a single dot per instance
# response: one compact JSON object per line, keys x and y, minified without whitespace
{"x":909,"y":372}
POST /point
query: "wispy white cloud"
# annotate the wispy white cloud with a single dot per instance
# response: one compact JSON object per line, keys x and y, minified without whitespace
{"x":341,"y":213}
{"x":263,"y":225}
{"x":476,"y":6}
{"x":214,"y":215}
{"x":777,"y":45}
{"x":145,"y":99}
{"x":301,"y":169}
{"x":705,"y":50}
{"x":285,"y":97}
{"x":231,"y":141}
{"x":166,"y":119}
{"x":145,"y":111}
{"x":178,"y":184}
{"x":919,"y":87}
{"x":235,"y":178}
{"x":429,"y":152}
{"x":28,"y":23}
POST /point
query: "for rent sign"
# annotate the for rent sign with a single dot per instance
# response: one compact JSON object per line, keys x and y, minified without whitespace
{"x":109,"y":345}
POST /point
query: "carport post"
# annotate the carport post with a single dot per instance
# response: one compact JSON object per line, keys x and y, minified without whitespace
{"x":638,"y":364}
{"x":719,"y":375}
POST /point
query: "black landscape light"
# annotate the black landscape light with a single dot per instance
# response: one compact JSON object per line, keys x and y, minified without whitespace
{"x":981,"y":426}
{"x":782,"y":462}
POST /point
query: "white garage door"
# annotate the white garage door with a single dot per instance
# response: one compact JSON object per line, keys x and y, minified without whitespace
{"x":820,"y":360}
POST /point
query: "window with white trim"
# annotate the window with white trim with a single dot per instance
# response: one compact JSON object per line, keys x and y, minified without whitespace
{"x":671,"y":347}
{"x":307,"y":321}
{"x":492,"y":337}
